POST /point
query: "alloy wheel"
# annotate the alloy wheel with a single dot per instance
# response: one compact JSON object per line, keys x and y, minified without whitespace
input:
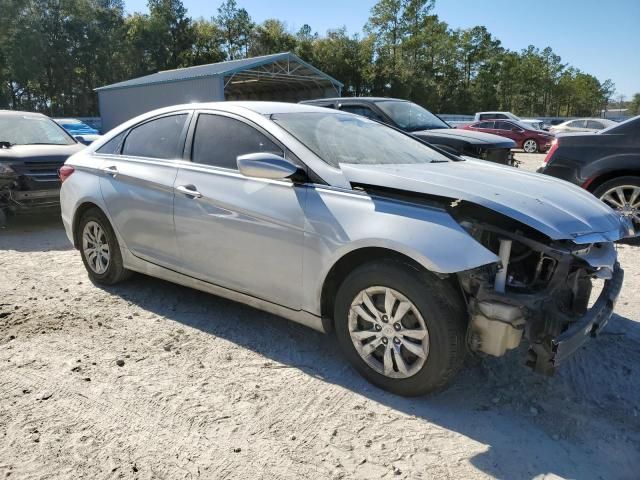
{"x":625,"y":199}
{"x":388,"y":332}
{"x":530,"y":146}
{"x":95,"y":247}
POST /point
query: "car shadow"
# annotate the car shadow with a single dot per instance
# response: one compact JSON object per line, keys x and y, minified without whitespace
{"x":34,"y":233}
{"x":530,"y":424}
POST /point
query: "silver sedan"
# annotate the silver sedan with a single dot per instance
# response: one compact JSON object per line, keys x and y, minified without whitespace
{"x":413,"y":256}
{"x":582,"y":125}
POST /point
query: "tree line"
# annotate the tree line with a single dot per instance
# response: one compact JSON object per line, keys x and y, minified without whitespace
{"x":53,"y":53}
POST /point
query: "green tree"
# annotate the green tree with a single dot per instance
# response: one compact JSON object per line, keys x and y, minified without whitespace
{"x":271,"y":37}
{"x":207,"y":43}
{"x":237,"y":26}
{"x":634,"y":105}
{"x":305,"y":39}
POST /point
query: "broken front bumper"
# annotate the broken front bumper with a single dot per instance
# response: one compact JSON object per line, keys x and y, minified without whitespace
{"x":18,"y":200}
{"x":565,"y":344}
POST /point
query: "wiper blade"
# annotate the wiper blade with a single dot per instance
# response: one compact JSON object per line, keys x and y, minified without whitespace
{"x":5,"y":144}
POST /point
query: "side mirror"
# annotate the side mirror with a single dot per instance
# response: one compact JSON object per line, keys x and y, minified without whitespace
{"x":515,"y":130}
{"x":265,"y":165}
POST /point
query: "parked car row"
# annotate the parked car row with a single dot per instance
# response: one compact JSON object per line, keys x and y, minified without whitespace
{"x":411,"y":254}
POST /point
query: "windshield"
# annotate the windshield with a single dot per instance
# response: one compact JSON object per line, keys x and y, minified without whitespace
{"x":30,"y":130}
{"x":410,"y":117}
{"x":342,"y":138}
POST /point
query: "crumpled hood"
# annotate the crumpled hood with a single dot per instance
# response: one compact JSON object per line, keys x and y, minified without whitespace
{"x":554,"y":207}
{"x":474,"y":138}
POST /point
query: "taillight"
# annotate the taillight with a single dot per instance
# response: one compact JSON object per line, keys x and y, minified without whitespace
{"x":552,"y":150}
{"x":65,"y":172}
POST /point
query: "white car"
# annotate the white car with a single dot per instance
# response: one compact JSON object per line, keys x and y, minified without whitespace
{"x":591,"y":125}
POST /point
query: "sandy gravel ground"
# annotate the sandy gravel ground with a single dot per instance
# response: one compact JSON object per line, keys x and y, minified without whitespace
{"x":151,"y":380}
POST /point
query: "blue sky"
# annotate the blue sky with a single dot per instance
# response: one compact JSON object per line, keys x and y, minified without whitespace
{"x":601,"y":38}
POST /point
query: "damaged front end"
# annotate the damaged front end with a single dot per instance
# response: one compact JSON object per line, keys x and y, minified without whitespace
{"x":8,"y":181}
{"x":539,"y":291}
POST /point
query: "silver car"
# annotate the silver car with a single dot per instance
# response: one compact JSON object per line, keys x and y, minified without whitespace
{"x":582,"y":125}
{"x":411,"y":255}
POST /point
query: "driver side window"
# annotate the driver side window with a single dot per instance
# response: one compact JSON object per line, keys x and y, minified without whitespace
{"x":219,"y":140}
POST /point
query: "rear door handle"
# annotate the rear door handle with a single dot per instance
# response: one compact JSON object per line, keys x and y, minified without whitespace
{"x":110,"y":170}
{"x":189,"y":191}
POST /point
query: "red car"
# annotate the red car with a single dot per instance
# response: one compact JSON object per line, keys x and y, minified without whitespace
{"x":526,"y":137}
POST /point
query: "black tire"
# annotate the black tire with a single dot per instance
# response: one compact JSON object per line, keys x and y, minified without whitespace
{"x":115,"y":271}
{"x":534,"y":141}
{"x":439,"y":304}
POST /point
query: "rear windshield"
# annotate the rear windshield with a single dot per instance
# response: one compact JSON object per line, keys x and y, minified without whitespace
{"x":343,"y":138}
{"x":628,"y":127}
{"x":410,"y":116}
{"x":31,"y":130}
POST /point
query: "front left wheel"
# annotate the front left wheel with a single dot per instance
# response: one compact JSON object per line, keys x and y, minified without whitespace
{"x":100,"y":249}
{"x":402,"y":329}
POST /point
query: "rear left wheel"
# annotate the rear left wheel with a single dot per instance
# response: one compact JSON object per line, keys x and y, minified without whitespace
{"x":403,"y":330}
{"x":100,"y":249}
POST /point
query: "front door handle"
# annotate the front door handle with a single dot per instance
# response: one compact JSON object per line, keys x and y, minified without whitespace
{"x":111,"y":170}
{"x":189,"y":191}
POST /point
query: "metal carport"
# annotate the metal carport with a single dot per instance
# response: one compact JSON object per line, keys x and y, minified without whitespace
{"x":279,"y":77}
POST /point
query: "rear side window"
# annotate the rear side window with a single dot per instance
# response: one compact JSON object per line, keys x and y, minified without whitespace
{"x":594,"y":125}
{"x":486,"y":116}
{"x":219,"y":140}
{"x":504,"y":126}
{"x":484,"y":125}
{"x":578,"y":124}
{"x":159,"y":138}
{"x":112,"y":147}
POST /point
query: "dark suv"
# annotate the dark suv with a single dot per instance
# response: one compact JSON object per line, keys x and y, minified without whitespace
{"x":32,"y":149}
{"x":426,"y":126}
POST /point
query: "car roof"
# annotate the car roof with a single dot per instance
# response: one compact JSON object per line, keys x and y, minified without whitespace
{"x":353,"y":100}
{"x":590,"y":118}
{"x":262,"y":108}
{"x":68,"y":120}
{"x":19,"y":113}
